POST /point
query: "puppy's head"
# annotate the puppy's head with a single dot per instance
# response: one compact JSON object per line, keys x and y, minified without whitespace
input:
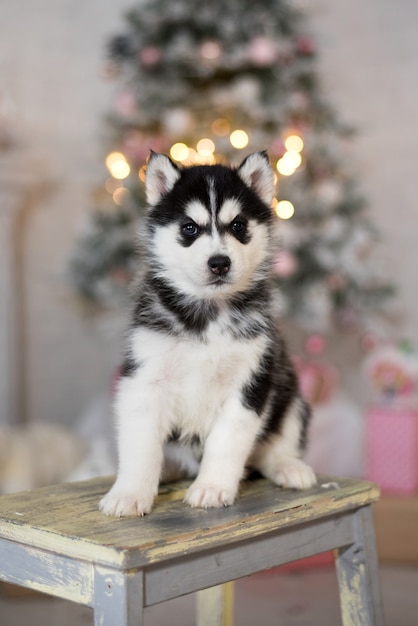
{"x":208,"y":227}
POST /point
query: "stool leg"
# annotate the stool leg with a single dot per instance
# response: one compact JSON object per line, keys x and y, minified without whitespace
{"x":215,"y":606}
{"x":358,"y":575}
{"x":118,"y":598}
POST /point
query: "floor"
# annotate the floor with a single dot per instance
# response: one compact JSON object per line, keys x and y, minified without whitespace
{"x":297,"y":598}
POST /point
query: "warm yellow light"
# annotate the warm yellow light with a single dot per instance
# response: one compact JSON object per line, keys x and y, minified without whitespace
{"x":117,"y":165}
{"x":284,"y":167}
{"x":284,"y":209}
{"x":204,"y":159}
{"x":179,"y":151}
{"x":142,"y":172}
{"x":114,"y":157}
{"x":289,"y":162}
{"x":120,"y":195}
{"x":220,"y":127}
{"x":239,"y":139}
{"x":205,"y":147}
{"x":293,"y":157}
{"x":294,"y":143}
{"x":192,"y":155}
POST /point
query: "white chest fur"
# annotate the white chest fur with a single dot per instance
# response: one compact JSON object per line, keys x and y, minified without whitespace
{"x":195,"y":376}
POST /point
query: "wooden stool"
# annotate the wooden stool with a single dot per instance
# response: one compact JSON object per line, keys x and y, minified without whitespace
{"x":55,"y":540}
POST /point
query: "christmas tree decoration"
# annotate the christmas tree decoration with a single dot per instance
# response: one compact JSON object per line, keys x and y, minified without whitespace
{"x":213,"y":83}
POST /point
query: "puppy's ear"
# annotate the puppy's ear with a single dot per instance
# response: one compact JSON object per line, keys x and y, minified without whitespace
{"x":257,"y":174}
{"x":160,"y":177}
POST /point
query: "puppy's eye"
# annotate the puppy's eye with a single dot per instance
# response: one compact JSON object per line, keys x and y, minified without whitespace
{"x":190,"y":229}
{"x":238,"y":226}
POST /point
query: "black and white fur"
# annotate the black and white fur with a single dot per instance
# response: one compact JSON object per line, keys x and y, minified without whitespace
{"x":207,"y":386}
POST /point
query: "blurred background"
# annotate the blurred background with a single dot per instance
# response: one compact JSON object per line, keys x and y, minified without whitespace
{"x":80,"y":82}
{"x":330,"y":89}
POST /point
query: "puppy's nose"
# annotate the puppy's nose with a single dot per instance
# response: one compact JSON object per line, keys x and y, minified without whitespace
{"x":219,"y":264}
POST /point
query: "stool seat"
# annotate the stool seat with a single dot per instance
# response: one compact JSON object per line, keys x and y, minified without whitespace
{"x":56,"y":541}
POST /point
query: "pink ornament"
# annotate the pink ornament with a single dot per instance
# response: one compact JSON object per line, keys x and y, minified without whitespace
{"x":369,"y":342}
{"x":125,"y":103}
{"x":150,"y":56}
{"x":262,"y":51}
{"x":135,"y":148}
{"x":317,"y":380}
{"x":315,"y":344}
{"x":285,"y":264}
{"x":305,"y":45}
{"x":158,"y":143}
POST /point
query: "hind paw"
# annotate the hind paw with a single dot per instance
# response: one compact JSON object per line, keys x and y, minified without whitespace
{"x":294,"y":474}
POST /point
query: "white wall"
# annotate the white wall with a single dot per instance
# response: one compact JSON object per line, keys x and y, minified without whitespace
{"x":51,"y":56}
{"x":51,"y":53}
{"x":369,"y":66}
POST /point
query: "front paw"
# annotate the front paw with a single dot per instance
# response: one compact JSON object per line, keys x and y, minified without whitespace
{"x":123,"y":502}
{"x":294,"y":474}
{"x":209,"y":496}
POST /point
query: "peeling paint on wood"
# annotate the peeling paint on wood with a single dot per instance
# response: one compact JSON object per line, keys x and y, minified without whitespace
{"x":352,"y":608}
{"x":65,"y":519}
{"x":358,"y":575}
{"x":55,"y":540}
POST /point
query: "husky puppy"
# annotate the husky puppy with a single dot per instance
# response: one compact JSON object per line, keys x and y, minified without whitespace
{"x":207,"y":385}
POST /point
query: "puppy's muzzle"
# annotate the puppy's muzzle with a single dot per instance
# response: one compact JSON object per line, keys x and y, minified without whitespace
{"x":219,"y":264}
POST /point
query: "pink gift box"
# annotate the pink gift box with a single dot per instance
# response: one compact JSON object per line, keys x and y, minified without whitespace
{"x":392,"y":449}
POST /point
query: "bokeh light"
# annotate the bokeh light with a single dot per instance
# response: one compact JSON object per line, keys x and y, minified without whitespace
{"x":179,"y":151}
{"x":205,"y":147}
{"x":284,"y":209}
{"x":294,"y":143}
{"x":239,"y":139}
{"x":117,"y":165}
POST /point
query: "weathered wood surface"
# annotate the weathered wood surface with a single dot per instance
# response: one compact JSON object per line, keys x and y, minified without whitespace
{"x":215,"y":566}
{"x":358,"y":576}
{"x":65,"y":519}
{"x":44,"y":571}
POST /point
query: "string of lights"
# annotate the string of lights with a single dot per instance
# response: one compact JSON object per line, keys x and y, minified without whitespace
{"x":211,"y":84}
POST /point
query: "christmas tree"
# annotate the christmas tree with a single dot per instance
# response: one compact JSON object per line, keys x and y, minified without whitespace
{"x":211,"y":83}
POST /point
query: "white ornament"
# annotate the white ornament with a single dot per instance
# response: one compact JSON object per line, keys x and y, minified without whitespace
{"x":329,"y":192}
{"x":316,"y":307}
{"x":333,"y":229}
{"x":178,"y":121}
{"x":246,"y":92}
